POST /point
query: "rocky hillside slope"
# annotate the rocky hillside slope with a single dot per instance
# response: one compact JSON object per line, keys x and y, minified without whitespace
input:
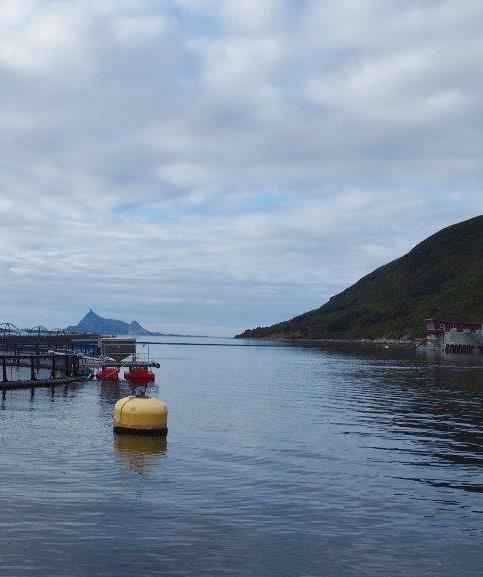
{"x":441,"y":277}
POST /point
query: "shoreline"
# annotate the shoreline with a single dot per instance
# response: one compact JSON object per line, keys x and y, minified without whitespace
{"x":361,"y":341}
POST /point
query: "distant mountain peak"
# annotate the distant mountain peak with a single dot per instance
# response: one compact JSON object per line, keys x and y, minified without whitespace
{"x":91,"y":322}
{"x":136,"y":329}
{"x":91,"y":314}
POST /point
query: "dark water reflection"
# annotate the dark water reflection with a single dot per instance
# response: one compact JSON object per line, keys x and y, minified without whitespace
{"x":139,"y":453}
{"x":426,"y":417}
{"x":300,"y":461}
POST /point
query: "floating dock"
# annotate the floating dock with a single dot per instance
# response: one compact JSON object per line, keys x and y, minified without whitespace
{"x":61,"y":366}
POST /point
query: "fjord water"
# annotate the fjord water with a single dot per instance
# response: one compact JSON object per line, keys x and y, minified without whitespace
{"x":280,"y":461}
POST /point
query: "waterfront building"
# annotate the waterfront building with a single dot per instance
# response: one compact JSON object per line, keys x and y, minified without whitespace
{"x":454,"y":336}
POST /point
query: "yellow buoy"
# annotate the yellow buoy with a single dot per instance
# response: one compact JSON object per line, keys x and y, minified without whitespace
{"x":141,"y":414}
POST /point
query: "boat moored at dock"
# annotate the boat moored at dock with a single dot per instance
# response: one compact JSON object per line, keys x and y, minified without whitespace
{"x":139,"y":374}
{"x":107,"y":374}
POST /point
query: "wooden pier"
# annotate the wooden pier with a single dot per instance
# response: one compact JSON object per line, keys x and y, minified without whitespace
{"x":52,"y":359}
{"x":62,"y":367}
{"x":14,"y":385}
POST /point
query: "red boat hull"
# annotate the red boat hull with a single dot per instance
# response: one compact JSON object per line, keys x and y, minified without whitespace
{"x":107,"y":374}
{"x":139,"y":375}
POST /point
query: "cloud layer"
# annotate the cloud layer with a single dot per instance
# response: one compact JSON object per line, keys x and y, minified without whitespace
{"x":209,"y":165}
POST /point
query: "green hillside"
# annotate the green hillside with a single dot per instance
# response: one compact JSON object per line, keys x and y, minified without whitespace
{"x":441,"y":277}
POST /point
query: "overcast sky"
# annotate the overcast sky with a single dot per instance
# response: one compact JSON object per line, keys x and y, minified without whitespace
{"x":213,"y":165}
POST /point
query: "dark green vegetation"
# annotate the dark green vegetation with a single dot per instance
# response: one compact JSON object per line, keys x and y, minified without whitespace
{"x":441,"y":277}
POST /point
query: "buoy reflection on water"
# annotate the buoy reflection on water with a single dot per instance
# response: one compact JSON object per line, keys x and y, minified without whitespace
{"x":139,"y":453}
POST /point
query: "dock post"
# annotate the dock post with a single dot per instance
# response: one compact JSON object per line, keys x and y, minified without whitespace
{"x":75,"y":365}
{"x":67,"y":368}
{"x":53,"y":371}
{"x":4,"y":370}
{"x":32,"y":369}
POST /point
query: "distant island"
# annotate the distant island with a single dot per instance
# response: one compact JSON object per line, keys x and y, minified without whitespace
{"x":93,"y":323}
{"x":441,"y":277}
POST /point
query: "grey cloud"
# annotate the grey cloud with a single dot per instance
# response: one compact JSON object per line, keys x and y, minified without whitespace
{"x":364,"y":119}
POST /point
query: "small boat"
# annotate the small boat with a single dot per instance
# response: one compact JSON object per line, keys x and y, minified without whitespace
{"x":139,"y":374}
{"x":107,"y":374}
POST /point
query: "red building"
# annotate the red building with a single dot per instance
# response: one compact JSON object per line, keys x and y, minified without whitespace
{"x":435,"y":329}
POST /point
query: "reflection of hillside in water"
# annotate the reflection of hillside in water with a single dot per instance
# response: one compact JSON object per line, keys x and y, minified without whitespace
{"x":380,"y":350}
{"x":139,"y":452}
{"x":427,"y":415}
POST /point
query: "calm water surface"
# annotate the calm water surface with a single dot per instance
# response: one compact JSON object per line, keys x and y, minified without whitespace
{"x":279,"y":462}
